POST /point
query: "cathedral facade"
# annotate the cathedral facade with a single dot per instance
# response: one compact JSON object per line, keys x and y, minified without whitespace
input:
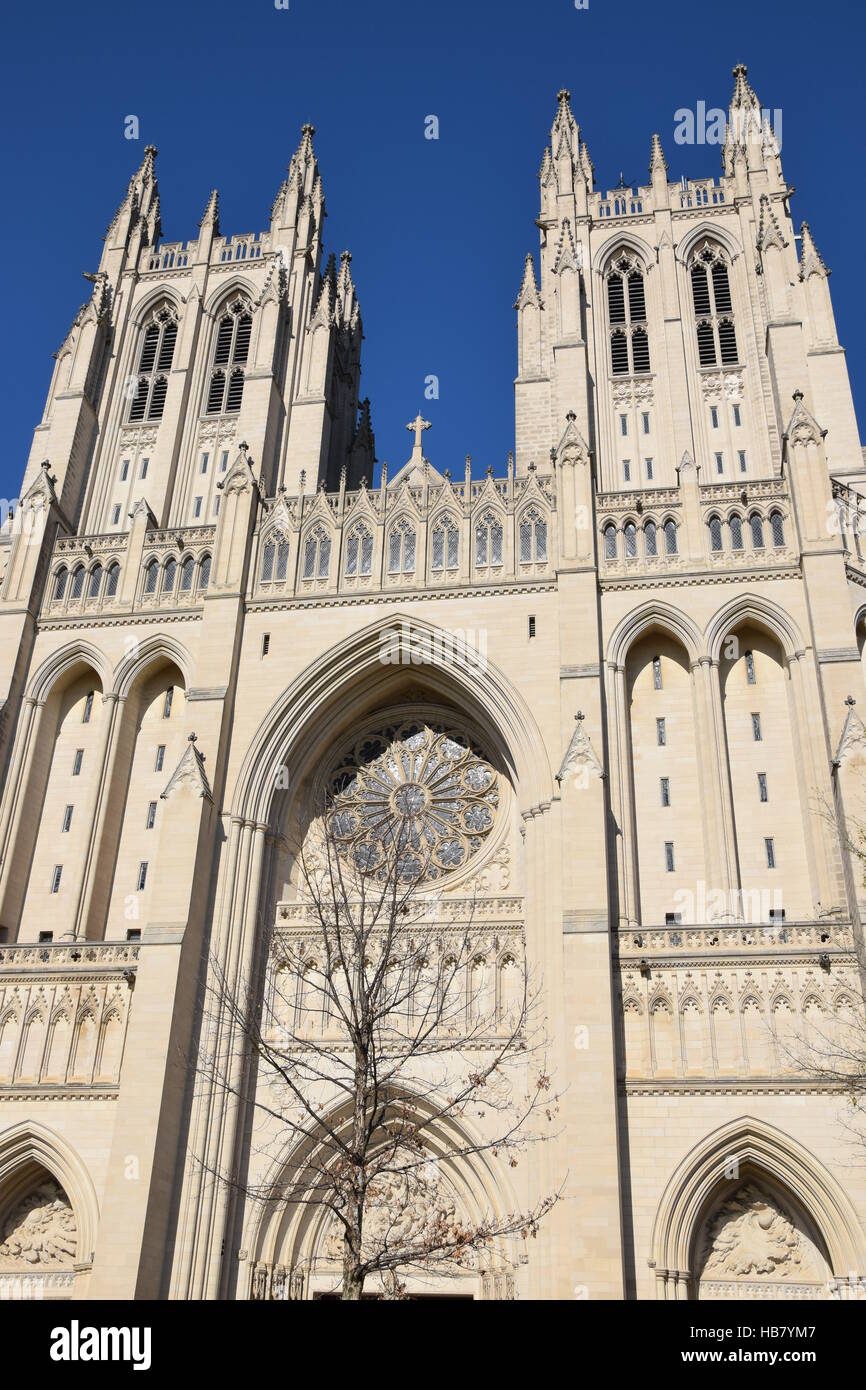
{"x":650,"y":627}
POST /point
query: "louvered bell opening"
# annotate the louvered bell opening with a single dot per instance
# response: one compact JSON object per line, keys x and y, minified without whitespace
{"x":224,"y":341}
{"x":727,"y":341}
{"x":166,"y":350}
{"x":148,"y":348}
{"x":640,"y":351}
{"x":157,"y":398}
{"x":215,"y":394}
{"x":242,"y":340}
{"x":236,"y":392}
{"x":615,"y":299}
{"x":722,"y":289}
{"x":706,"y":345}
{"x":139,"y":400}
{"x":700,"y":290}
{"x":636,"y":298}
{"x":619,"y":354}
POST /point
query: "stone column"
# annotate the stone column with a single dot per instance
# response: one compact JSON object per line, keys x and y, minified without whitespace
{"x":13,"y":859}
{"x":96,"y":807}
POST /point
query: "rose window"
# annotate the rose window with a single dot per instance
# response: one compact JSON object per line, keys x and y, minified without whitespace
{"x":419,"y":790}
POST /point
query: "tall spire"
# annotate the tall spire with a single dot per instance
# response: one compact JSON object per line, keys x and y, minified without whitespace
{"x":657,"y":157}
{"x":140,"y":193}
{"x":744,"y":94}
{"x":745,"y":130}
{"x":211,"y":215}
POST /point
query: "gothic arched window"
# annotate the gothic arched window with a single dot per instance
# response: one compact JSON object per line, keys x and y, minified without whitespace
{"x":630,"y":533}
{"x":736,"y":526}
{"x":187,"y":575}
{"x":627,"y":317}
{"x":533,"y":537}
{"x":359,"y":552}
{"x":204,"y":573}
{"x":670,"y":530}
{"x":715,"y":526}
{"x":317,"y":554}
{"x":610,"y":541}
{"x":488,"y":540}
{"x":401,"y":549}
{"x":168,"y":575}
{"x":112,"y":579}
{"x":650,"y":539}
{"x":777,"y":528}
{"x":756,"y":526}
{"x":60,"y":579}
{"x":275,"y":558}
{"x":714,"y":310}
{"x":151,"y":575}
{"x":446,"y":545}
{"x":95,"y":581}
{"x":231,"y":350}
{"x":77,"y":582}
{"x":154,"y":362}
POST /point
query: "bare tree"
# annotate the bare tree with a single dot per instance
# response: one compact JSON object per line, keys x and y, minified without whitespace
{"x":830,"y":1048}
{"x":381,"y":1030}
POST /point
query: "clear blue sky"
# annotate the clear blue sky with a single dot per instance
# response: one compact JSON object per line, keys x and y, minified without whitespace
{"x":438,"y":229}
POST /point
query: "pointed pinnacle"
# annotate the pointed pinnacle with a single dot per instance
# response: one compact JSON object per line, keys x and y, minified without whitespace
{"x":657,"y":155}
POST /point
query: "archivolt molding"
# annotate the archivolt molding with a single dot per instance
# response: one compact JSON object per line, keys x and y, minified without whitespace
{"x":287,"y":1227}
{"x":63,"y":660}
{"x":503,"y":714}
{"x":644,"y":619}
{"x":145,"y":654}
{"x":33,"y":1142}
{"x":751,"y":608}
{"x":707,"y":231}
{"x":619,"y":241}
{"x":746,"y":1145}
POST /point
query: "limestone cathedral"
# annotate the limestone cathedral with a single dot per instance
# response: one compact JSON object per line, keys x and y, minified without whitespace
{"x":670,"y":585}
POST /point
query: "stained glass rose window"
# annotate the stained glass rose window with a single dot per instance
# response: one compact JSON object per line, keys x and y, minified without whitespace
{"x":419,"y":789}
